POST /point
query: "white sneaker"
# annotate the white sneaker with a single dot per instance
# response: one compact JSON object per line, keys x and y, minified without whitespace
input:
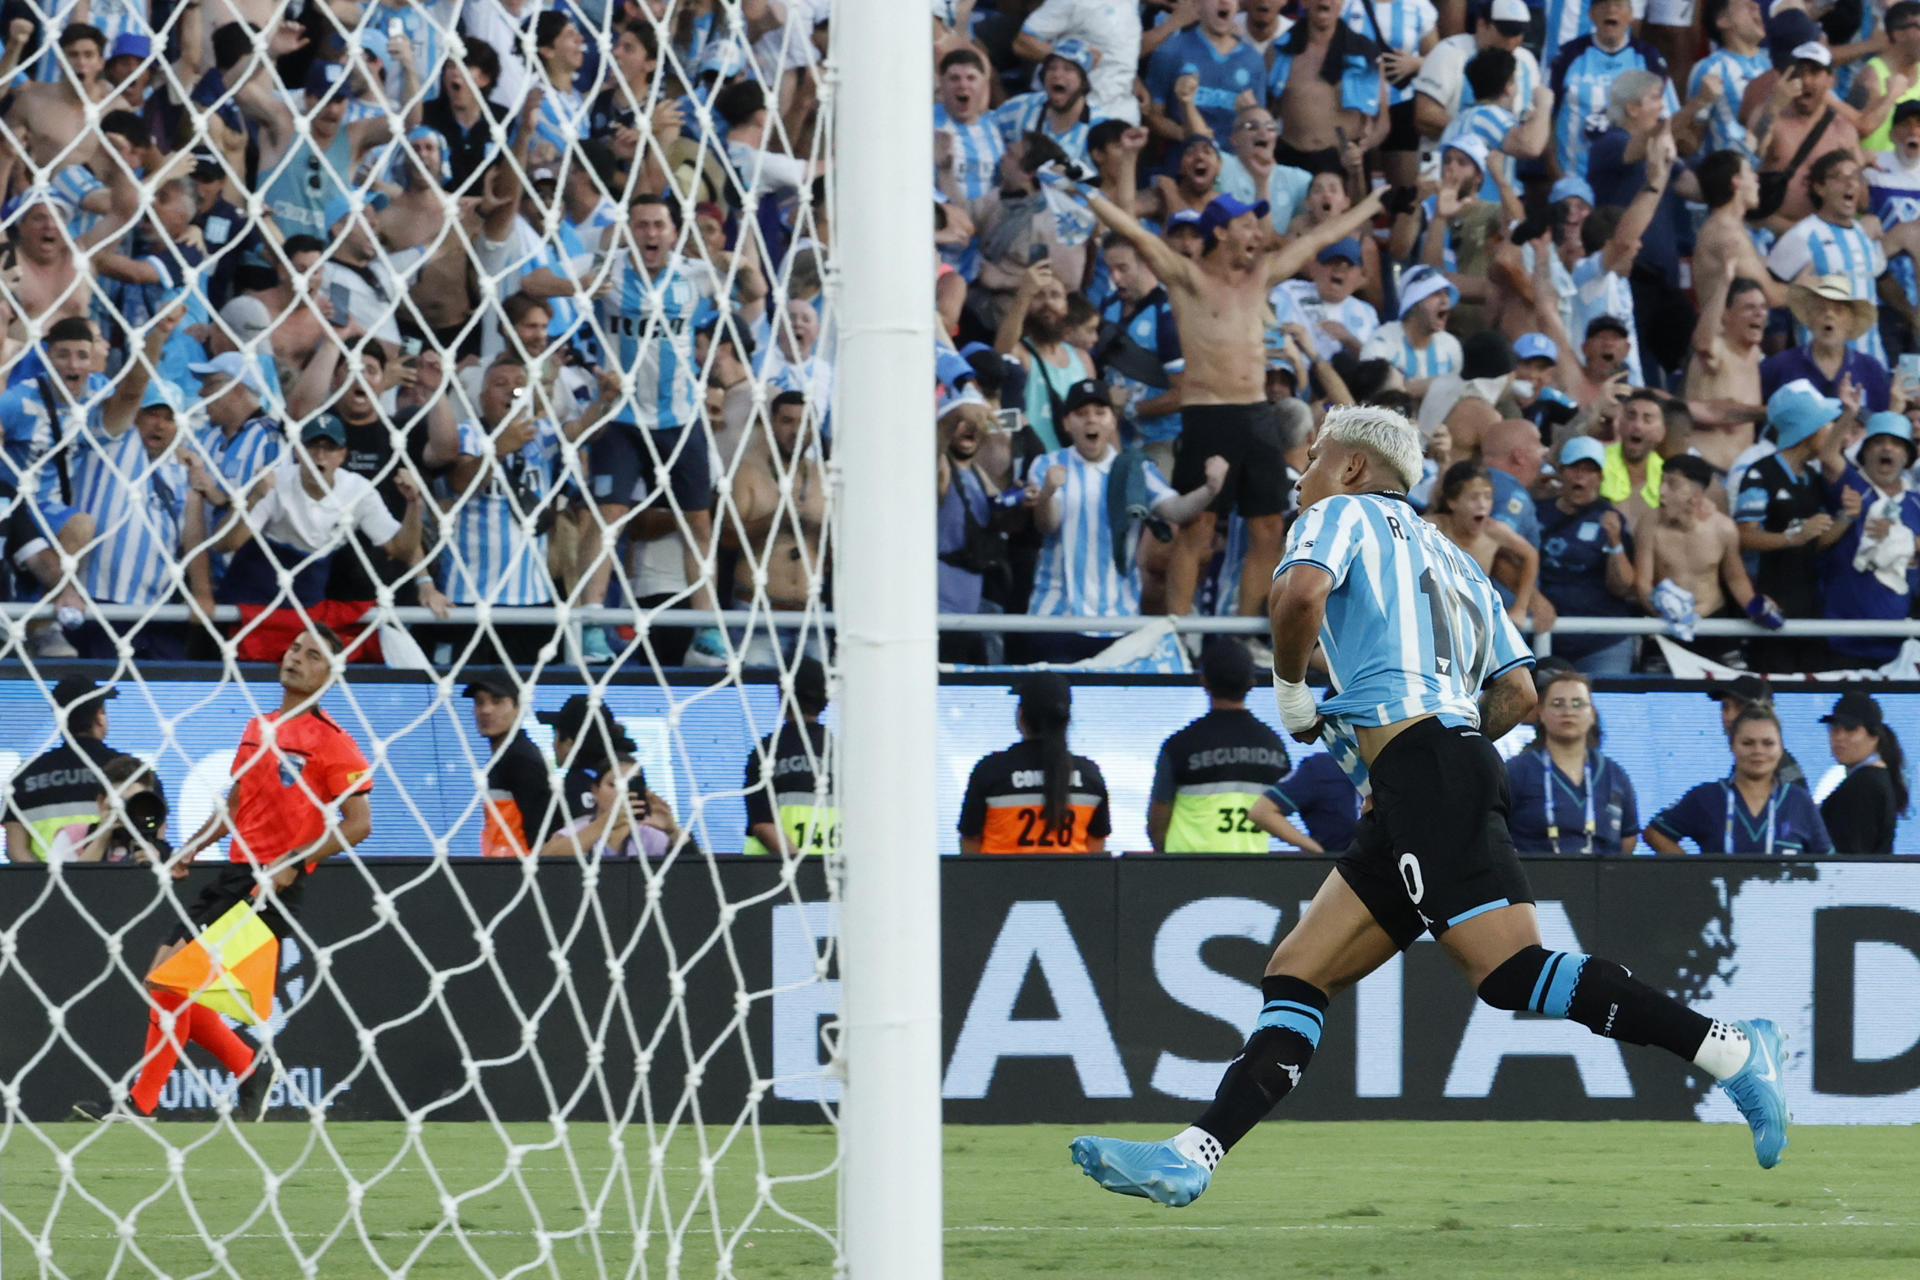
{"x":1262,"y":654}
{"x":46,"y":640}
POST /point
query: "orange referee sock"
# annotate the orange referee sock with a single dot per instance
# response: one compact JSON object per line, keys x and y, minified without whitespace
{"x":208,"y":1030}
{"x":163,"y":1049}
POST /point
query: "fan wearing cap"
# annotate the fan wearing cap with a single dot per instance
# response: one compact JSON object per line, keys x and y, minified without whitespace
{"x":1801,"y":99}
{"x":1110,"y":32}
{"x":1211,"y":774}
{"x":1456,"y":229}
{"x":1418,"y":344}
{"x":1753,"y":810}
{"x":1058,"y":108}
{"x":1901,"y":24}
{"x":1337,"y":320}
{"x":1863,"y":813}
{"x":1688,"y":565}
{"x":53,"y":266}
{"x":1090,"y":502}
{"x":788,"y":791}
{"x":516,"y":787}
{"x":310,"y":168}
{"x":1586,"y":559}
{"x":1506,"y":123}
{"x":1868,"y":572}
{"x":1537,"y":385}
{"x":1037,"y":796}
{"x":1213,"y":64}
{"x":586,"y":735}
{"x":1781,"y":508}
{"x":291,"y":523}
{"x":1581,"y":72}
{"x":1831,"y":244}
{"x":56,"y":790}
{"x":1439,"y":89}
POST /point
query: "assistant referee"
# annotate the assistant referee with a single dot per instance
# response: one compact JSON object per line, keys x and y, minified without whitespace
{"x":1212,"y":773}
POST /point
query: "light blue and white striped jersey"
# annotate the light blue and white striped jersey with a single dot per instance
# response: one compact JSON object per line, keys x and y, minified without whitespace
{"x":977,"y":149}
{"x":1834,"y":251}
{"x":28,"y":426}
{"x":570,"y":256}
{"x":1075,"y":574}
{"x":1600,"y":292}
{"x":1893,"y":193}
{"x":1355,"y":314}
{"x":651,"y":321}
{"x":138,"y":505}
{"x":1412,"y":626}
{"x":1027,"y":113}
{"x":74,"y":184}
{"x":1737,"y":71}
{"x":1568,"y":20}
{"x":492,"y":553}
{"x":1390,"y":342}
{"x":1581,"y":78}
{"x":112,"y":18}
{"x":1403,"y":24}
{"x":563,"y":118}
{"x":254,"y":450}
{"x":1490,"y":123}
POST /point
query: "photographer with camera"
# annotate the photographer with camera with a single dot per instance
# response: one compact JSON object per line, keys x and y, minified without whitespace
{"x":57,"y":790}
{"x":133,"y":820}
{"x":629,"y":820}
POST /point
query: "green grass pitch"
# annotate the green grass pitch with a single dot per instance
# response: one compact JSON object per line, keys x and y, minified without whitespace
{"x":1513,"y":1201}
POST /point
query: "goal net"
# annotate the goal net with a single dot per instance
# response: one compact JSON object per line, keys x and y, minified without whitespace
{"x":497,"y":340}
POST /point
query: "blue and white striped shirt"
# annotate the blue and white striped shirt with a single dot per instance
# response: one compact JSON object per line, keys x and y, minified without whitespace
{"x":1390,"y":342}
{"x":138,"y":505}
{"x":492,"y":553}
{"x":1403,"y":25}
{"x":1834,"y":251}
{"x":112,"y":18}
{"x":1027,"y":113}
{"x":252,"y":452}
{"x":1893,"y":193}
{"x":1075,"y":576}
{"x":1489,"y":122}
{"x":74,"y":184}
{"x":1412,"y":626}
{"x":1737,"y":71}
{"x":1600,"y":292}
{"x":977,"y":149}
{"x":1580,"y":78}
{"x":426,"y":24}
{"x":28,"y":427}
{"x":651,"y":321}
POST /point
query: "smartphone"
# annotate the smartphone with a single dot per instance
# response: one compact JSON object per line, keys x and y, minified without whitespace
{"x":410,"y":348}
{"x":340,"y":301}
{"x":1008,"y":421}
{"x":1910,"y":370}
{"x":395,"y":28}
{"x":1038,"y":254}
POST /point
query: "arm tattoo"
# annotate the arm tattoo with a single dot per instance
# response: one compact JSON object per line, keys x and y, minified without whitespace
{"x":1500,"y":708}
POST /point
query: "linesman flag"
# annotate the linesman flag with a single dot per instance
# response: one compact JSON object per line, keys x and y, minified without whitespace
{"x":229,"y":968}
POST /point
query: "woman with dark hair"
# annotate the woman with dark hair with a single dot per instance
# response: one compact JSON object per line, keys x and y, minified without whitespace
{"x":1864,"y":809}
{"x":1565,"y":797}
{"x":1750,"y":810}
{"x":1037,"y":796}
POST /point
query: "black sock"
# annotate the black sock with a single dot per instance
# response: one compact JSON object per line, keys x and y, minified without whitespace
{"x":1269,"y":1067}
{"x":1599,"y":995}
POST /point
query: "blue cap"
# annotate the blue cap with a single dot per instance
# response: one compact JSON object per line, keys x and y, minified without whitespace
{"x":1787,"y":30}
{"x":1223,"y":209}
{"x":342,"y":205}
{"x":1583,"y":449}
{"x":128,"y":44}
{"x":36,"y":195}
{"x":231,"y":366}
{"x":1184,"y":218}
{"x":1421,"y":283}
{"x":1798,"y":410}
{"x":1535,"y":346}
{"x":1078,"y":52}
{"x":1347,"y":250}
{"x":326,"y":427}
{"x":373,"y":39}
{"x":1886,"y":423}
{"x":722,"y":58}
{"x":322,"y":76}
{"x":1570,"y":186}
{"x":161,"y":394}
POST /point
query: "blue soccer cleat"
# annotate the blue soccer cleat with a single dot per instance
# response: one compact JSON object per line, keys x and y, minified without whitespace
{"x":1155,"y":1171}
{"x":1760,"y":1093}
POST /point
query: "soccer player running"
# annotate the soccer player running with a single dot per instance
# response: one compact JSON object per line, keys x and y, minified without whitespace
{"x":1427,"y":672}
{"x":294,"y":766}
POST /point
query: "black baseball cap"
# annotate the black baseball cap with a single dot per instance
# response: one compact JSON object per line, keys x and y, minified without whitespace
{"x":498,"y":686}
{"x":1906,"y":109}
{"x":1045,"y":691}
{"x":810,"y":684}
{"x":1855,"y":710}
{"x":74,"y":690}
{"x":570,"y":718}
{"x":1607,"y":324}
{"x":1749,"y":689}
{"x":1085,"y":392}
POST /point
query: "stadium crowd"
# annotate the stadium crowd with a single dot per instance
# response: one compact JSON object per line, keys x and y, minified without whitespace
{"x":315,"y":307}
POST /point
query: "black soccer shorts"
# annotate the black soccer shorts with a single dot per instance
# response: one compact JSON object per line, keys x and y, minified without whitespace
{"x":1434,"y":850}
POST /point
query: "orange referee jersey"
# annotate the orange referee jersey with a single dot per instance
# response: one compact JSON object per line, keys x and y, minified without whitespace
{"x":287,"y":775}
{"x":1005,"y":805}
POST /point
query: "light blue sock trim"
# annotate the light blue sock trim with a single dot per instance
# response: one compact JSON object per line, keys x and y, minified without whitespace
{"x":1560,"y":990}
{"x":1480,"y":910}
{"x":1540,"y":985}
{"x":1299,"y":1019}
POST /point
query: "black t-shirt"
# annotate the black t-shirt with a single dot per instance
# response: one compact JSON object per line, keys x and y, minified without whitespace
{"x":1861,"y":813}
{"x":1005,"y":804}
{"x":59,"y":788}
{"x":784,"y":788}
{"x":519,"y":801}
{"x":1211,"y":774}
{"x":1772,"y":496}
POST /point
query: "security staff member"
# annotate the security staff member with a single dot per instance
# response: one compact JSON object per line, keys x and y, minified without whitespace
{"x":786,"y":776}
{"x":1735,"y":696}
{"x":519,"y":799}
{"x":1036,"y":796}
{"x":585,"y":738}
{"x":1212,"y":773}
{"x":59,"y":789}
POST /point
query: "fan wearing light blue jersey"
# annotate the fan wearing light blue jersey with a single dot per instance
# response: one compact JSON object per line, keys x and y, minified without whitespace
{"x":1058,"y":108}
{"x":1424,"y":673}
{"x":651,"y":304}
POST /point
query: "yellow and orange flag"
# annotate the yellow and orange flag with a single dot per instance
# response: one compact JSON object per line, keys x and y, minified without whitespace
{"x":229,"y":968}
